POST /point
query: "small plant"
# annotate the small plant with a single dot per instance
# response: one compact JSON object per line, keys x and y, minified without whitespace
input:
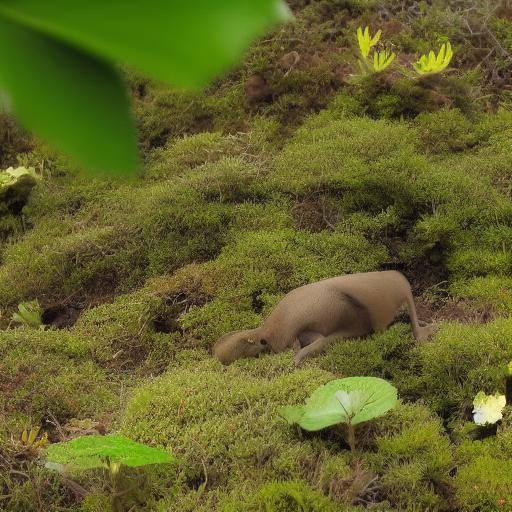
{"x":29,"y":444}
{"x":366,"y":42}
{"x":110,"y":452}
{"x":488,"y":409}
{"x":380,"y":60}
{"x":351,"y":401}
{"x":29,"y":314}
{"x":432,"y":63}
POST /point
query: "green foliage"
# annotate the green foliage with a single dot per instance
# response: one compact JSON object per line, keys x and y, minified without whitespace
{"x":75,"y":51}
{"x":365,"y":41}
{"x":433,"y":63}
{"x":29,"y":314}
{"x":89,"y":452}
{"x":352,"y":400}
{"x":382,"y":60}
{"x":201,"y":41}
{"x":97,"y":90}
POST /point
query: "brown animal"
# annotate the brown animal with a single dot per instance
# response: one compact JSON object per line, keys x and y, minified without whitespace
{"x":319,"y":313}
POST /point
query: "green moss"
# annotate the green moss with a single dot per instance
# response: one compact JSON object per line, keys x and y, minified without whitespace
{"x":462,"y":360}
{"x":50,"y":372}
{"x":446,"y":130}
{"x":36,"y":489}
{"x":198,"y":405}
{"x":227,"y":180}
{"x":130,"y":234}
{"x":492,"y":290}
{"x":483,"y":474}
{"x":163,"y":113}
{"x":484,"y":484}
{"x":413,"y":457}
{"x":224,"y":420}
{"x":181,"y":155}
{"x":388,"y":355}
{"x":284,"y":497}
{"x":346,"y":154}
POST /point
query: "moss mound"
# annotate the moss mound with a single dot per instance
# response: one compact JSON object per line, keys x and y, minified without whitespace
{"x":286,"y":170}
{"x":49,"y":375}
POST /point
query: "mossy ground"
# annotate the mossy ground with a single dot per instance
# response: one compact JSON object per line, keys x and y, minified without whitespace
{"x":249,"y":189}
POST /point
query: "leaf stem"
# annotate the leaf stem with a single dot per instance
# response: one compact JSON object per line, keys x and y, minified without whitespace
{"x":351,"y":437}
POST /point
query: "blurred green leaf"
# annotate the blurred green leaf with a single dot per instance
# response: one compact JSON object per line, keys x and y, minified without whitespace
{"x":182,"y":42}
{"x":88,"y":452}
{"x":73,"y":100}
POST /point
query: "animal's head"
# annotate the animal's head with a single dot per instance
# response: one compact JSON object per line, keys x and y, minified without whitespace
{"x":238,"y":344}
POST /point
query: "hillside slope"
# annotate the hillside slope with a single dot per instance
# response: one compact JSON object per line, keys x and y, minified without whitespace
{"x":283,"y":172}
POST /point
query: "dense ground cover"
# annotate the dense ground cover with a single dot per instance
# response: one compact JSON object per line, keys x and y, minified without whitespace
{"x":281,"y":173}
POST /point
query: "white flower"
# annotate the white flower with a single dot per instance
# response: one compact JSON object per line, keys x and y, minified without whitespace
{"x":488,"y":408}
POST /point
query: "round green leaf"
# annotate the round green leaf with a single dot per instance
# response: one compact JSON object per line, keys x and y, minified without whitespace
{"x":88,"y":452}
{"x":353,"y":399}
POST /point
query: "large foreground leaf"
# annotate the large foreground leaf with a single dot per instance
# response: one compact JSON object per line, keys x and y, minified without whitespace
{"x":182,"y":42}
{"x":73,"y":100}
{"x":88,"y":452}
{"x":353,"y":399}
